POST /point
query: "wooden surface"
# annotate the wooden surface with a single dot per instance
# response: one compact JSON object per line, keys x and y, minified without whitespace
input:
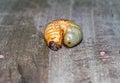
{"x":28,"y":59}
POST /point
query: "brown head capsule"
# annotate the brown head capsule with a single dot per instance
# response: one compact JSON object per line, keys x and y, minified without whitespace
{"x":62,"y":30}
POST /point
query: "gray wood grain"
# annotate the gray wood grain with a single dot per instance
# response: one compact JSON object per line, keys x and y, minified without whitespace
{"x":29,"y":60}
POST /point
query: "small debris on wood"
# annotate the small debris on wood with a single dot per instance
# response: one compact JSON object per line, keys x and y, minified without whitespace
{"x":2,"y":56}
{"x":104,"y":56}
{"x":102,"y":53}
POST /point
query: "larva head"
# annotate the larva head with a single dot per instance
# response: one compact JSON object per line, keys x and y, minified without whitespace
{"x":54,"y":46}
{"x":73,"y":36}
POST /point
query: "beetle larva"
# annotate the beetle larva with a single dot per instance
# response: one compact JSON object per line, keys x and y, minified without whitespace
{"x":62,"y":31}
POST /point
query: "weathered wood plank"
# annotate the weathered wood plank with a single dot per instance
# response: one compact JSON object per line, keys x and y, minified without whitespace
{"x":27,"y":58}
{"x":25,"y":53}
